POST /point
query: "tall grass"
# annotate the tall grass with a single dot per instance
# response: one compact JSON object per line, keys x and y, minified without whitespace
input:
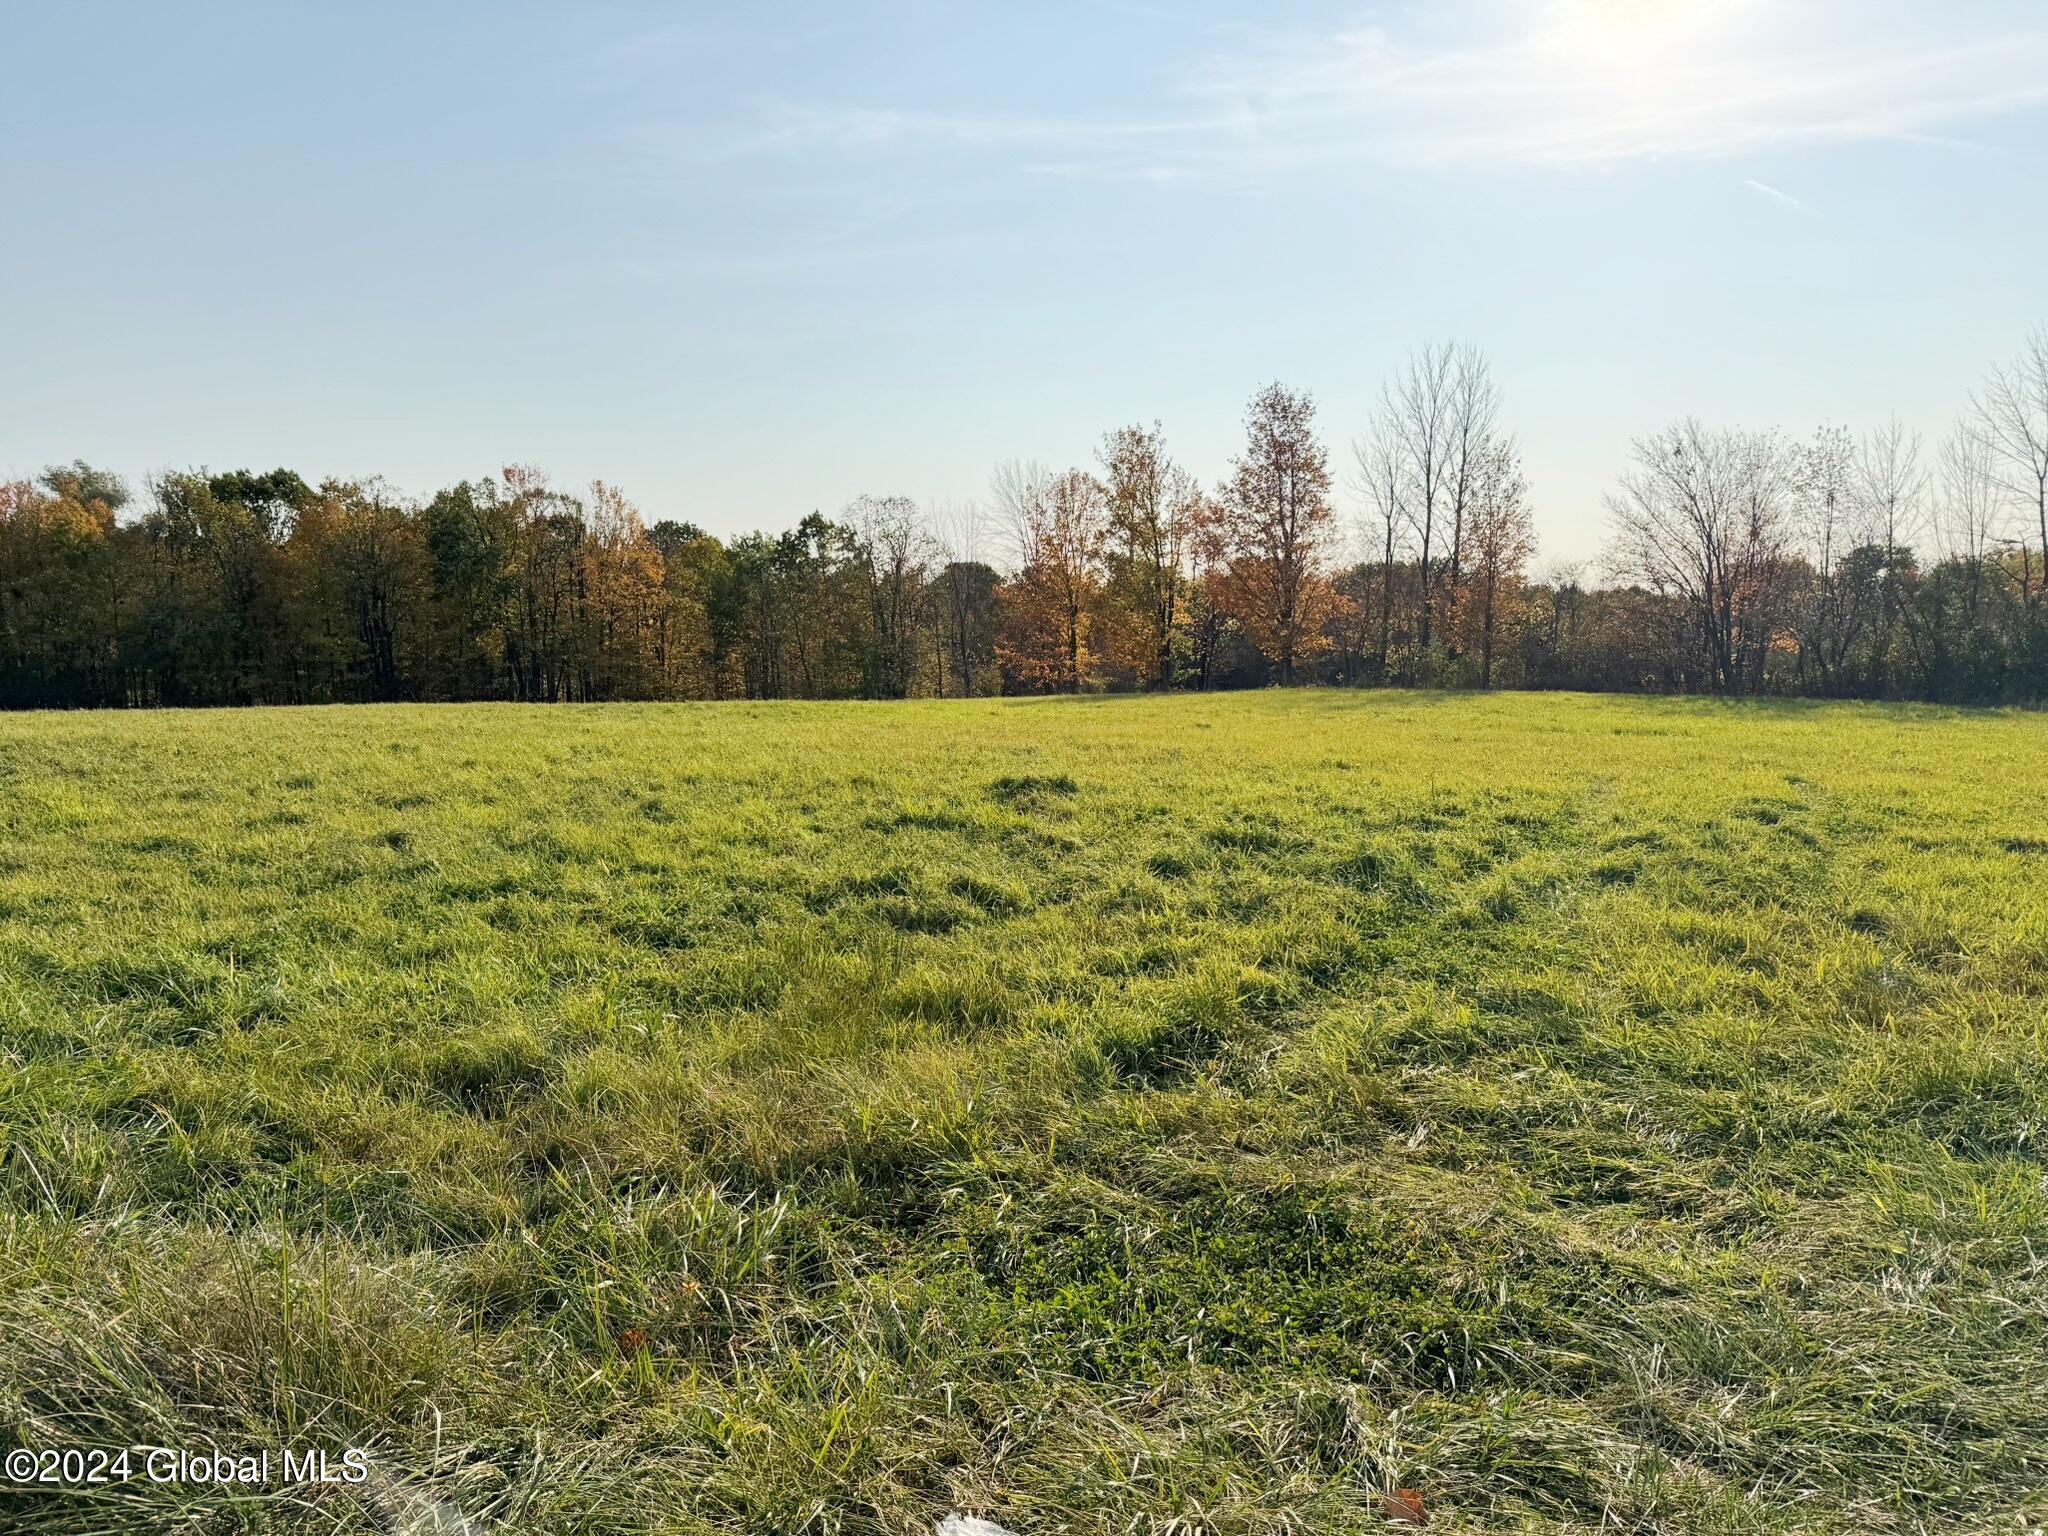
{"x":1178,"y":1115}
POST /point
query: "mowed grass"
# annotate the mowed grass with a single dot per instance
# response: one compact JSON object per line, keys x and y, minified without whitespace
{"x":1187,"y":1115}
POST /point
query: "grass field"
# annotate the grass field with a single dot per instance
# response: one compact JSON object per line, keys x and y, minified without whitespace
{"x":1192,"y":1115}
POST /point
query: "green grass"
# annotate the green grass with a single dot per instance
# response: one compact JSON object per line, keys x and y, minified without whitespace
{"x":1179,"y":1115}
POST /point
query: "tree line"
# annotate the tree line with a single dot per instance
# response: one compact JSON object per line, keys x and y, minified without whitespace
{"x":1741,"y":562}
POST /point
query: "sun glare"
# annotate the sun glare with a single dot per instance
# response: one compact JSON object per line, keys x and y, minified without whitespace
{"x":1631,"y":32}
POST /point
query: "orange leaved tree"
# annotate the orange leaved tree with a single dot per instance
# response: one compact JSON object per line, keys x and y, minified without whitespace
{"x":1049,"y":605}
{"x":1274,"y":524}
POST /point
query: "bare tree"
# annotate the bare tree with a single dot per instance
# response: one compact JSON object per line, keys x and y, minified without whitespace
{"x":1894,"y":488}
{"x":964,"y":590}
{"x":1439,"y":417}
{"x":2012,"y":412}
{"x":1473,"y":419}
{"x":1380,"y":482}
{"x":1825,"y":497}
{"x":1019,"y":487}
{"x":1702,"y":516}
{"x":1828,"y":505}
{"x":1971,"y":511}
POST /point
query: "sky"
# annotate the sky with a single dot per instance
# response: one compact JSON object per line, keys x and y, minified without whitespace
{"x":748,"y":261}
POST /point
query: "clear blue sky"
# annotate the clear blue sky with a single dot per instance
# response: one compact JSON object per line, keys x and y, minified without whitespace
{"x":748,"y":260}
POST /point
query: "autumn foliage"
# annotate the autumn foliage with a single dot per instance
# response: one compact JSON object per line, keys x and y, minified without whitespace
{"x":1739,"y":562}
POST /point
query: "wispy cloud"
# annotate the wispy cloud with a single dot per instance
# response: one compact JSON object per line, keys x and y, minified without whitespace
{"x":783,"y":127}
{"x":1605,"y":81}
{"x":1515,"y":82}
{"x":1782,"y":199}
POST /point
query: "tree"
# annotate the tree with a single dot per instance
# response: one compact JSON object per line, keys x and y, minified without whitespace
{"x":824,"y":602}
{"x":967,"y":606}
{"x":541,"y":639}
{"x":696,"y":575}
{"x":1829,"y":510}
{"x":1153,"y":510}
{"x":1894,"y":490}
{"x":1382,"y":470}
{"x":212,"y":588}
{"x":360,"y":581}
{"x":1971,"y":511}
{"x":2012,"y":414}
{"x":1435,"y":428}
{"x":1274,"y":520}
{"x":61,"y":590}
{"x":472,"y":535}
{"x":624,"y":601}
{"x":1739,"y":564}
{"x":1049,"y":606}
{"x":1701,"y":517}
{"x":273,"y":498}
{"x":1352,"y":623}
{"x":81,"y":484}
{"x":1209,"y":625}
{"x":1500,"y":540}
{"x":894,"y":555}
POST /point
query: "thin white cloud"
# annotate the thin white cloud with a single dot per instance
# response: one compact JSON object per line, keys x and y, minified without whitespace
{"x":1605,"y":81}
{"x":1782,"y":199}
{"x":783,"y":127}
{"x":1519,"y":82}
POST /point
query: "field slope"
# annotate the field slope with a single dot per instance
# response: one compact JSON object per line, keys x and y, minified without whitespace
{"x":1123,"y":1115}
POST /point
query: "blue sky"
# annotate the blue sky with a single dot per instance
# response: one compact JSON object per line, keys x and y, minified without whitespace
{"x":748,"y":261}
